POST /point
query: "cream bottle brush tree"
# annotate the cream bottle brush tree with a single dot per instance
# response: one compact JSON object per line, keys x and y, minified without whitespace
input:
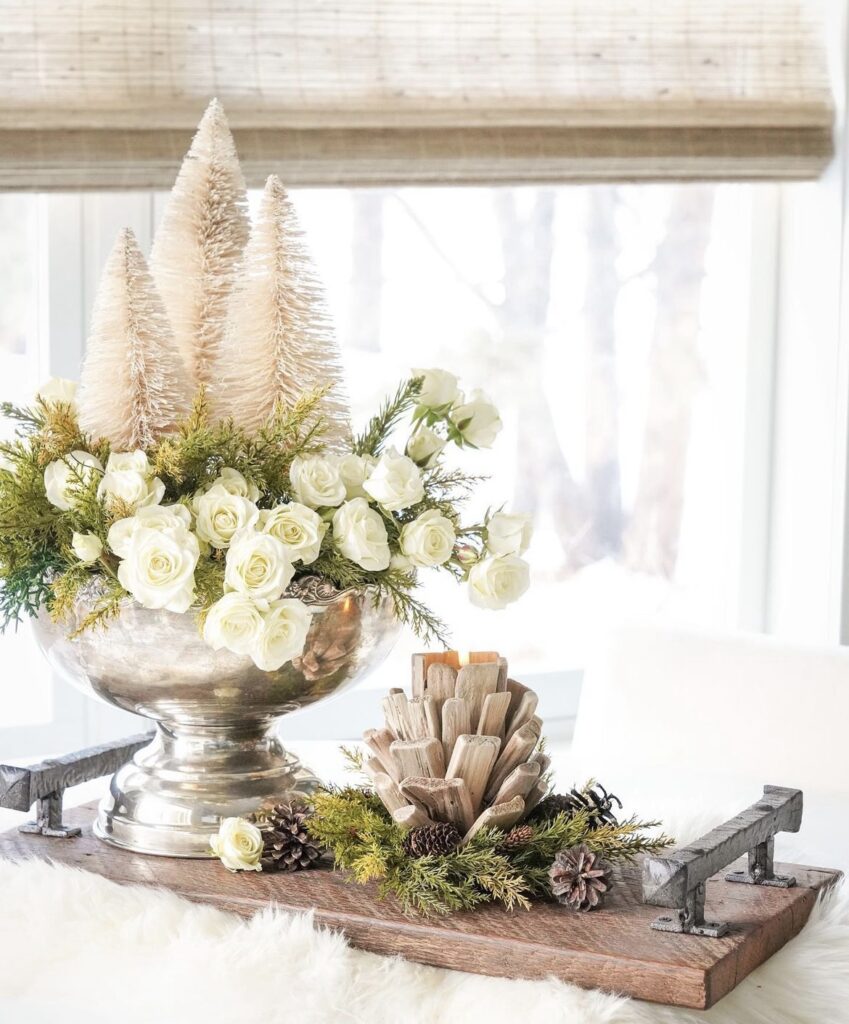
{"x":198,"y":245}
{"x":278,"y":341}
{"x":133,"y":388}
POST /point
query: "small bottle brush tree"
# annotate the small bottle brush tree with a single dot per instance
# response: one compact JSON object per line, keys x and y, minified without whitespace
{"x":133,"y":387}
{"x":203,"y":232}
{"x":279,"y":341}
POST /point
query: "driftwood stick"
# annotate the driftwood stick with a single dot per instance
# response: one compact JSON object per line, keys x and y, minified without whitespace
{"x":443,"y":799}
{"x":388,"y":791}
{"x":502,"y":675}
{"x":497,"y":816}
{"x":519,"y":782}
{"x":535,"y":795}
{"x":518,"y":749}
{"x":472,"y":760}
{"x":379,"y":741}
{"x":419,"y":757}
{"x":493,"y":715}
{"x":417,"y":719}
{"x":433,"y":717}
{"x":474,"y":682}
{"x":411,"y":816}
{"x":455,"y":722}
{"x":543,"y":760}
{"x":525,"y":711}
{"x":441,"y":680}
{"x":516,"y":691}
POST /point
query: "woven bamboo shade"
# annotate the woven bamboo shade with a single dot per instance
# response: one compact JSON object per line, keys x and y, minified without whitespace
{"x":104,"y":93}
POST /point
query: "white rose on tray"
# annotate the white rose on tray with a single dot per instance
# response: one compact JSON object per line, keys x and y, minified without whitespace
{"x":317,"y":481}
{"x":395,"y":482}
{"x":359,"y":534}
{"x":477,"y":420}
{"x":508,"y":533}
{"x":258,"y":565}
{"x":297,"y":527}
{"x":238,"y":844}
{"x":158,"y":569}
{"x":59,"y":389}
{"x":496,"y":582}
{"x":428,"y":540}
{"x":65,"y":476}
{"x":234,"y":482}
{"x":221,"y":514}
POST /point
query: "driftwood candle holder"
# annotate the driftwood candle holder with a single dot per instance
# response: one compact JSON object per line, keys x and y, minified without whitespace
{"x":463,"y":749}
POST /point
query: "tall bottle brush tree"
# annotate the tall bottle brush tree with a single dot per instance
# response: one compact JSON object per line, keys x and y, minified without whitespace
{"x":279,"y":341}
{"x":133,"y":386}
{"x":203,"y":233}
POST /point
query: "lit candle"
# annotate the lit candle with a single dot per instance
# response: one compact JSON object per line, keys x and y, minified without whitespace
{"x":457,"y":660}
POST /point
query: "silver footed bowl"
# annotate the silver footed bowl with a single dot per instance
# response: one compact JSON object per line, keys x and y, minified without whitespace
{"x":215,"y":752}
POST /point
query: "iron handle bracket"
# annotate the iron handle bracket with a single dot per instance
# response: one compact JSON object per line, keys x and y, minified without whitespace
{"x":44,"y":784}
{"x":677,"y":880}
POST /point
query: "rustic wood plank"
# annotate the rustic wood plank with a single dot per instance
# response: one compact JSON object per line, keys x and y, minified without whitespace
{"x":613,"y":949}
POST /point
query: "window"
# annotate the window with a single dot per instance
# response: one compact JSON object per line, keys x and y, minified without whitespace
{"x":611,"y":325}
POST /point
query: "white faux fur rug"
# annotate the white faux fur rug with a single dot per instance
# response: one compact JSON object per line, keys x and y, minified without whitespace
{"x":77,"y":948}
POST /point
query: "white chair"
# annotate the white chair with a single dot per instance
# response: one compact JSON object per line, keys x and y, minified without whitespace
{"x":685,"y":721}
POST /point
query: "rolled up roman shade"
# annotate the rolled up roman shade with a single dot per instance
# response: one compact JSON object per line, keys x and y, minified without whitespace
{"x":104,"y":94}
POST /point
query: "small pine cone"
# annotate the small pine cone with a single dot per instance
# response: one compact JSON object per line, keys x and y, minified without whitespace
{"x":596,"y":801}
{"x":516,"y":838}
{"x":286,"y":842}
{"x":579,"y":879}
{"x":437,"y":839}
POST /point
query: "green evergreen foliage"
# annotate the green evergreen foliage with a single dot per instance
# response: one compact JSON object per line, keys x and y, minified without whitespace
{"x":365,"y":841}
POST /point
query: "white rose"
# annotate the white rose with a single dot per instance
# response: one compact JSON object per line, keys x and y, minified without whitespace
{"x":221,"y":514}
{"x":395,"y":482}
{"x":150,"y":517}
{"x":354,"y":471}
{"x":424,"y":446}
{"x":234,"y":482}
{"x":477,"y":420}
{"x":131,"y":487}
{"x":287,"y":623}
{"x":496,"y":582}
{"x":136,"y":462}
{"x":359,"y":534}
{"x":63,"y":477}
{"x":317,"y":482}
{"x":258,"y":565}
{"x":428,"y":540}
{"x":58,"y":389}
{"x":159,"y":568}
{"x":235,"y":621}
{"x":439,"y":387}
{"x":508,"y":534}
{"x":238,"y":844}
{"x":297,"y":527}
{"x":87,"y":546}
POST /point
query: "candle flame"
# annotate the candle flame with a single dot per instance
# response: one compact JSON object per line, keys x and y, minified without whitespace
{"x":463,"y":658}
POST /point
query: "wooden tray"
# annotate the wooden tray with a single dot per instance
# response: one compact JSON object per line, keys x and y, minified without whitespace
{"x":612,"y":949}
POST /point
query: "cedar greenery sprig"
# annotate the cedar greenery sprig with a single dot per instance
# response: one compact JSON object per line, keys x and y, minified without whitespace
{"x":373,"y":439}
{"x":365,"y":841}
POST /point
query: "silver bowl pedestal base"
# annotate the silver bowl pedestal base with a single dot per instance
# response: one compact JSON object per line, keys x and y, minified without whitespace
{"x":170,"y":799}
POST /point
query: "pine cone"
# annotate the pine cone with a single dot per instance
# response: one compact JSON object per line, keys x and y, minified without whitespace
{"x":287,"y":845}
{"x":597,"y":802}
{"x":579,"y":879}
{"x":438,"y":839}
{"x":516,"y":838}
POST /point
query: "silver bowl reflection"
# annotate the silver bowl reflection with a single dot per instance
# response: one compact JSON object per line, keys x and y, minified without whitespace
{"x":215,"y":753}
